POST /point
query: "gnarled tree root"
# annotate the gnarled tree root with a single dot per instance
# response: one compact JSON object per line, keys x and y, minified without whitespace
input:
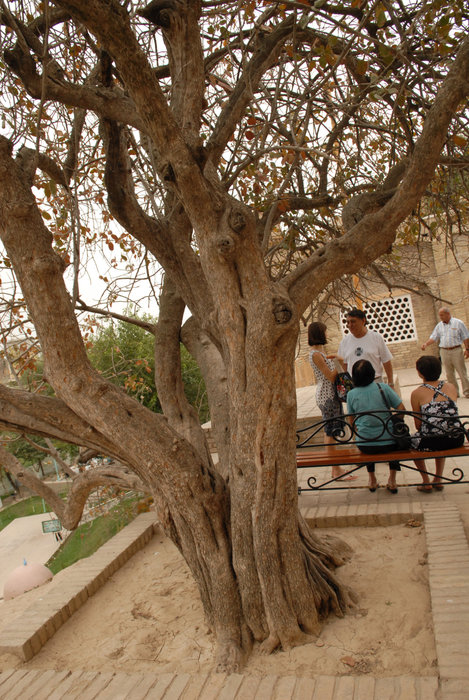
{"x":321,"y":556}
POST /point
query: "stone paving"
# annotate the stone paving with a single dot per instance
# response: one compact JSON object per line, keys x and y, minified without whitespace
{"x":448,"y":560}
{"x":55,"y":685}
{"x":22,"y":539}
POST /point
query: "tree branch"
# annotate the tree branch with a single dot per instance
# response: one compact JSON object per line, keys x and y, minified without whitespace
{"x":375,"y":232}
{"x":23,"y":412}
{"x":70,"y":511}
{"x":150,"y":327}
{"x":168,"y":240}
{"x":268,"y":46}
{"x":168,"y":372}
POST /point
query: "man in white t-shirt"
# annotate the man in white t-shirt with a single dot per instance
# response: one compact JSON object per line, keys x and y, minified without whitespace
{"x":362,"y":344}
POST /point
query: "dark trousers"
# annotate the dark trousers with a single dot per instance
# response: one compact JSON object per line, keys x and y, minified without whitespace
{"x":380,"y":449}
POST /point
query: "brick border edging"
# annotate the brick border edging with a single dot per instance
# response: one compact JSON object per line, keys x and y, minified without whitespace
{"x":363,"y":515}
{"x":28,"y":632}
{"x":448,"y":575}
{"x":448,"y":561}
{"x":48,"y":685}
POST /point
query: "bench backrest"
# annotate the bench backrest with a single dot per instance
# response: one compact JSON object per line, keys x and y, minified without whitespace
{"x":345,"y":430}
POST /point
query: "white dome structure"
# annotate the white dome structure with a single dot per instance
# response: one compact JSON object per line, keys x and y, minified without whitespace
{"x":25,"y":578}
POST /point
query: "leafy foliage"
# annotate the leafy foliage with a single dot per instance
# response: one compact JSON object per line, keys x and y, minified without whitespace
{"x":341,"y":99}
{"x":124,"y":353}
{"x":89,"y":536}
{"x":29,"y":455}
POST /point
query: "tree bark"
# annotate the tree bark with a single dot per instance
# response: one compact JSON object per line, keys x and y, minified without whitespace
{"x":168,"y":377}
{"x":285,"y":583}
{"x":213,"y":371}
{"x":192,"y":500}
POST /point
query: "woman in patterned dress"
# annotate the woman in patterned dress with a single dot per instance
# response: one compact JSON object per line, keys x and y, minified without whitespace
{"x":326,"y":399}
{"x":435,"y":400}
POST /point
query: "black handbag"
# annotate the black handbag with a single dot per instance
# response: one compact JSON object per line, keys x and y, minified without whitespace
{"x":398,"y":428}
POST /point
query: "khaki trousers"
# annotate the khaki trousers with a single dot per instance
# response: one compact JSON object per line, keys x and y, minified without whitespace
{"x":454,"y":360}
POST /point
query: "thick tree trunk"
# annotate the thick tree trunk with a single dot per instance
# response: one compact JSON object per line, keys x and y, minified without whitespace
{"x":277,"y":562}
{"x":285,"y":576}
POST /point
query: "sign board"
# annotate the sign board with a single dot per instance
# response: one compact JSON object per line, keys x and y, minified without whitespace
{"x":51,"y":525}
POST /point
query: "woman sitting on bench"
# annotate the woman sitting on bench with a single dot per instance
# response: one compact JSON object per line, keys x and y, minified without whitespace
{"x":371,"y":434}
{"x":435,"y":400}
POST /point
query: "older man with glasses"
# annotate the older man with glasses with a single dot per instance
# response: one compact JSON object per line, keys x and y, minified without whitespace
{"x":450,"y":334}
{"x":363,"y":344}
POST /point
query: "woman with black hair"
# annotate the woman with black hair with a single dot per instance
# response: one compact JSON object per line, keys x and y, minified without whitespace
{"x":326,"y":399}
{"x":372,"y":435}
{"x":435,"y":401}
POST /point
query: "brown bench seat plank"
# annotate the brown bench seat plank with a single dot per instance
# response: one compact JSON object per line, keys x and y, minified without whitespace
{"x":349,"y":454}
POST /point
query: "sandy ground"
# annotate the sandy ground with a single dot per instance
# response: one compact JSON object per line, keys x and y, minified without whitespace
{"x":148,"y":617}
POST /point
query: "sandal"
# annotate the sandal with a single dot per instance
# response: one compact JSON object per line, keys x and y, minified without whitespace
{"x":425,"y":488}
{"x":391,"y":489}
{"x":438,"y":487}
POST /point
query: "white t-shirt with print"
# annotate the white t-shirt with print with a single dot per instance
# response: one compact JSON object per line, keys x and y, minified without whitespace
{"x":370,"y":347}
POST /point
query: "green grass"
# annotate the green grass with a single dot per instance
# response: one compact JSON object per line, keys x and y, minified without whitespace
{"x":29,"y":506}
{"x":87,"y":538}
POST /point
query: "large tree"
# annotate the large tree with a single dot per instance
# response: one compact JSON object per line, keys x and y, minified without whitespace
{"x":224,"y":140}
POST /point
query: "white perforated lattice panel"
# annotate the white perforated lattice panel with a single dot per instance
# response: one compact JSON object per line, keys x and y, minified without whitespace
{"x":392,"y":317}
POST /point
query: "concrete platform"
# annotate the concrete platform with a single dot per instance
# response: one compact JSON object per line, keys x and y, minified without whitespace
{"x":22,"y":539}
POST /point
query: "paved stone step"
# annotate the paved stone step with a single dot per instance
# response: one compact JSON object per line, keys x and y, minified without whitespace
{"x":58,"y":685}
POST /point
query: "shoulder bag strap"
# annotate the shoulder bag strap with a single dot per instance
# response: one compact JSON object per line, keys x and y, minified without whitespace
{"x":383,"y":396}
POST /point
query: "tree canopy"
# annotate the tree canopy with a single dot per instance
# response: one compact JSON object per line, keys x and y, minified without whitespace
{"x":255,"y":153}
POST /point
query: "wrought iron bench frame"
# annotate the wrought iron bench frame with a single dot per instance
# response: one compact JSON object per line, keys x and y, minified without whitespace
{"x":344,"y":452}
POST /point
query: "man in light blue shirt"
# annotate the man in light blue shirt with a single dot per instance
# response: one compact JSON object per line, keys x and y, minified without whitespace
{"x":450,"y":334}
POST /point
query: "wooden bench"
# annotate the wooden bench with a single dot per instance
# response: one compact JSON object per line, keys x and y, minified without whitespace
{"x":312,"y":453}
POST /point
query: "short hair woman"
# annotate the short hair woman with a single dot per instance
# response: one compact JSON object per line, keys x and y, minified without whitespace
{"x":435,"y":403}
{"x":372,"y":435}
